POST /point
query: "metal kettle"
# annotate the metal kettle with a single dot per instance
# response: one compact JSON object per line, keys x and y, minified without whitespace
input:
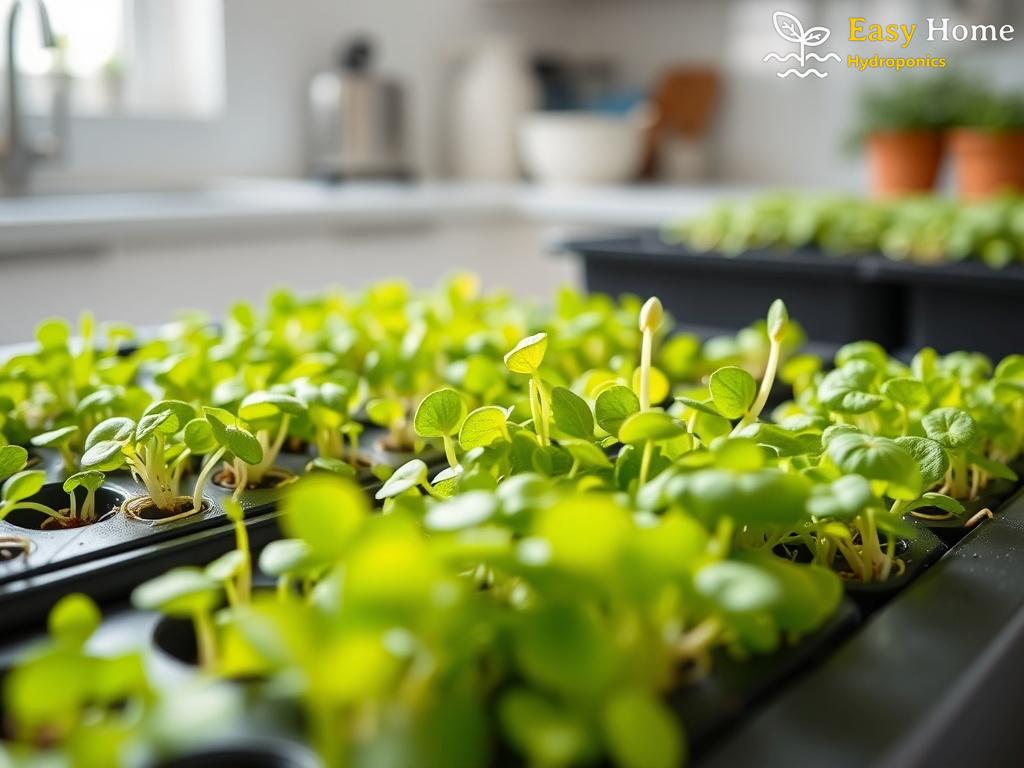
{"x":356,"y":119}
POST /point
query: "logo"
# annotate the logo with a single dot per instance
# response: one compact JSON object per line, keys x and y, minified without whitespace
{"x":792,"y":30}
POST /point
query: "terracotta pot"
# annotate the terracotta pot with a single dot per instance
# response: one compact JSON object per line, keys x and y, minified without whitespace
{"x":904,"y":163}
{"x":988,"y":163}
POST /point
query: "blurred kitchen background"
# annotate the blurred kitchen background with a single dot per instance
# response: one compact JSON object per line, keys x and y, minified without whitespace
{"x":172,"y":153}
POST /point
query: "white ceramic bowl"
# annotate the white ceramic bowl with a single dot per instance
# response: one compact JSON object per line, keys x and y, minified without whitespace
{"x":571,"y":148}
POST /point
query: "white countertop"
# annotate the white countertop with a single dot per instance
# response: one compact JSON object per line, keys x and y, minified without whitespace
{"x":240,"y":207}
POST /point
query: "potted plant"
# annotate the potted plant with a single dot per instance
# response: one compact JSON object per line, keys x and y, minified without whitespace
{"x":901,"y":129}
{"x":988,"y":144}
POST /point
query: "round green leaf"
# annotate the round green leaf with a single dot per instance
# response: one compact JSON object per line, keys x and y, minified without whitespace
{"x":238,"y":441}
{"x":181,"y":592}
{"x":528,"y":354}
{"x":586,"y":533}
{"x":572,"y":414}
{"x":544,"y":732}
{"x":844,"y":498}
{"x":243,"y":444}
{"x":73,"y":620}
{"x":766,"y":497}
{"x":848,"y":389}
{"x":13,"y":458}
{"x":324,"y":510}
{"x":333,"y":465}
{"x":613,"y":406}
{"x":183,"y":412}
{"x":932,"y":459}
{"x":89,"y":479}
{"x":641,"y":732}
{"x":878,"y":459}
{"x":483,"y":426}
{"x":385,"y":411}
{"x":53,"y":333}
{"x":737,"y":587}
{"x":199,"y":437}
{"x":649,"y":425}
{"x":23,"y":485}
{"x":164,"y":422}
{"x":105,"y":456}
{"x":587,"y":454}
{"x":409,"y":475}
{"x":439,"y":414}
{"x":465,"y":510}
{"x":55,"y":437}
{"x":227,"y":566}
{"x":266,"y":405}
{"x":561,"y":647}
{"x":117,"y":429}
{"x":733,"y":391}
{"x":952,"y":427}
{"x":908,"y":392}
{"x":288,"y":556}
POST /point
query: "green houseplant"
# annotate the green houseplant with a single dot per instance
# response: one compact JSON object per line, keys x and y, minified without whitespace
{"x":901,"y":128}
{"x":988,"y":144}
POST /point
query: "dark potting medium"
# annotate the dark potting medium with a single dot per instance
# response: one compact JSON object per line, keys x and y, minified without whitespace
{"x":917,"y":554}
{"x":713,"y":291}
{"x":711,"y":706}
{"x":933,"y":678}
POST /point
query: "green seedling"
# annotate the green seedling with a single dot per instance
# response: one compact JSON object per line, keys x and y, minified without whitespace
{"x":219,"y":435}
{"x":234,"y":569}
{"x":651,"y":315}
{"x":152,"y":448}
{"x":526,"y":358}
{"x":778,"y":322}
{"x":440,"y":415}
{"x":412,"y":474}
{"x":63,"y":696}
{"x":329,"y":408}
{"x":186,"y":593}
{"x":20,"y":485}
{"x":392,"y":414}
{"x":269,"y":416}
{"x":60,"y":440}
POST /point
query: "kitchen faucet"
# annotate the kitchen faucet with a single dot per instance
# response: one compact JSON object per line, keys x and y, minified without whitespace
{"x":18,"y":152}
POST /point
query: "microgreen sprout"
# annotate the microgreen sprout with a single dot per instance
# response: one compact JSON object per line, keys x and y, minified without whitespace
{"x":441,"y":414}
{"x":219,"y":434}
{"x":20,"y":485}
{"x":63,"y":695}
{"x":651,"y":315}
{"x":186,"y":593}
{"x":778,"y":322}
{"x":152,"y":449}
{"x":526,"y":358}
{"x":234,"y":569}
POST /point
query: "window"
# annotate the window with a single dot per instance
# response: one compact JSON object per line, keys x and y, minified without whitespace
{"x":127,"y":57}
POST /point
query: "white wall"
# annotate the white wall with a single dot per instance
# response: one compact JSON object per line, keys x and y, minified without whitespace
{"x":786,"y":132}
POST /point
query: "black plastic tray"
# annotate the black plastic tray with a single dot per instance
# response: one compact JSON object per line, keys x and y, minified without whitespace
{"x":109,"y":558}
{"x":710,"y":290}
{"x":902,"y":305}
{"x":960,"y":306}
{"x":934,"y":678}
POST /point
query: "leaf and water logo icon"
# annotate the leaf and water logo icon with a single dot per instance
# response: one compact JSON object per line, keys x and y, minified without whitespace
{"x":791,"y":29}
